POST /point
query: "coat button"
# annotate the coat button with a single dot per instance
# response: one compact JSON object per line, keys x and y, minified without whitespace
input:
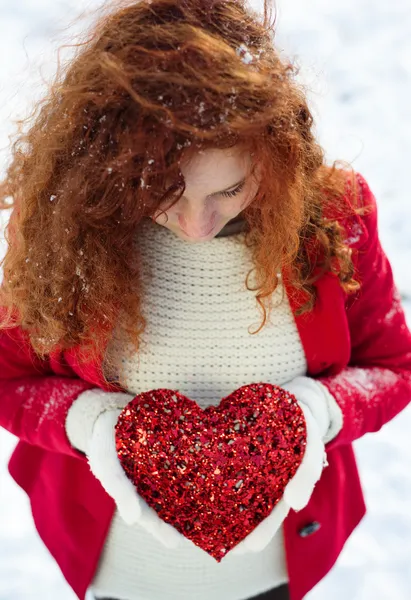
{"x":309,"y":529}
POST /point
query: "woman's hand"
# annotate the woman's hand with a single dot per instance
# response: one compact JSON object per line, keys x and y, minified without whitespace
{"x":323,"y":421}
{"x":90,"y":427}
{"x":105,"y":465}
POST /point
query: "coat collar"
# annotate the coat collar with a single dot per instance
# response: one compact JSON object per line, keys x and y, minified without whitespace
{"x":324,"y":330}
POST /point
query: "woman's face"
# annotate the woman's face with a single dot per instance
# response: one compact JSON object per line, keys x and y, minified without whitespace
{"x":218,"y":187}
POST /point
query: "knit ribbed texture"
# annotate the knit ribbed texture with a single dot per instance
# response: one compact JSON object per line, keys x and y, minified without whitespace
{"x":198,"y":312}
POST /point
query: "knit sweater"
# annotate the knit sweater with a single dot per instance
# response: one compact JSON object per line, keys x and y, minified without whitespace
{"x":197,"y":340}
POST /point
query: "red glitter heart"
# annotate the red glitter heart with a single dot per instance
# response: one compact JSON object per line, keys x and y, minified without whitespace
{"x":213,"y":474}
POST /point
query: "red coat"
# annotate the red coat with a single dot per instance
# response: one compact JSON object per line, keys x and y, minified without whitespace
{"x":359,"y":346}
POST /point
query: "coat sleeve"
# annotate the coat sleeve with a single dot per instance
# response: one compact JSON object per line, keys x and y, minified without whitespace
{"x":34,"y":401}
{"x":376,"y":384}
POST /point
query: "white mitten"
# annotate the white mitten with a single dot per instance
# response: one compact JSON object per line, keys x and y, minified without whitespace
{"x":298,"y":491}
{"x":262,"y":535}
{"x":105,"y":465}
{"x":321,"y":403}
{"x":90,"y":427}
{"x":323,"y":420}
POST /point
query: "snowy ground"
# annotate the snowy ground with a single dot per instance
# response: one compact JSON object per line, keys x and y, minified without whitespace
{"x":356,"y":61}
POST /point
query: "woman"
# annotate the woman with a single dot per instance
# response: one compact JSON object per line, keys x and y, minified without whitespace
{"x":193,"y":239}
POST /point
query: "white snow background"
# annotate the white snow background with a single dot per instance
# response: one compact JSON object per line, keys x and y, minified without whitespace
{"x":355,"y":59}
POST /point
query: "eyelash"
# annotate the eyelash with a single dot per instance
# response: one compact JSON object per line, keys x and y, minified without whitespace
{"x":234,"y":192}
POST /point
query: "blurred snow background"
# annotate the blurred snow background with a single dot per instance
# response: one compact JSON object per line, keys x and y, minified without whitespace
{"x":355,"y":59}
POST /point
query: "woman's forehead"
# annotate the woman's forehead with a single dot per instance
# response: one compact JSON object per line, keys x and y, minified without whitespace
{"x":215,"y":162}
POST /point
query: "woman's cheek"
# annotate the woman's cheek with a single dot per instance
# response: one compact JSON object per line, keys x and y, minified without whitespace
{"x":159,"y":218}
{"x":248,"y":198}
{"x":230,"y":207}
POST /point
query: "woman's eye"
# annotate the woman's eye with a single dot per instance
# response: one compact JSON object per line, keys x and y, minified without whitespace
{"x":234,"y":192}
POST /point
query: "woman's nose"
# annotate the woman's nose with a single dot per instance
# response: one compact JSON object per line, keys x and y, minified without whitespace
{"x":196,"y":220}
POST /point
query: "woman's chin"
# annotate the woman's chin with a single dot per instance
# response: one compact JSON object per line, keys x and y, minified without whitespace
{"x":193,"y":239}
{"x":197,"y":239}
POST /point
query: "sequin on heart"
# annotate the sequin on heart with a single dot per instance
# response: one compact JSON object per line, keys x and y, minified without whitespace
{"x":213,"y":474}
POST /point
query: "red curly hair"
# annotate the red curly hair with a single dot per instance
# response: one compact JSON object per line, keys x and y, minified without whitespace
{"x":152,"y":83}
